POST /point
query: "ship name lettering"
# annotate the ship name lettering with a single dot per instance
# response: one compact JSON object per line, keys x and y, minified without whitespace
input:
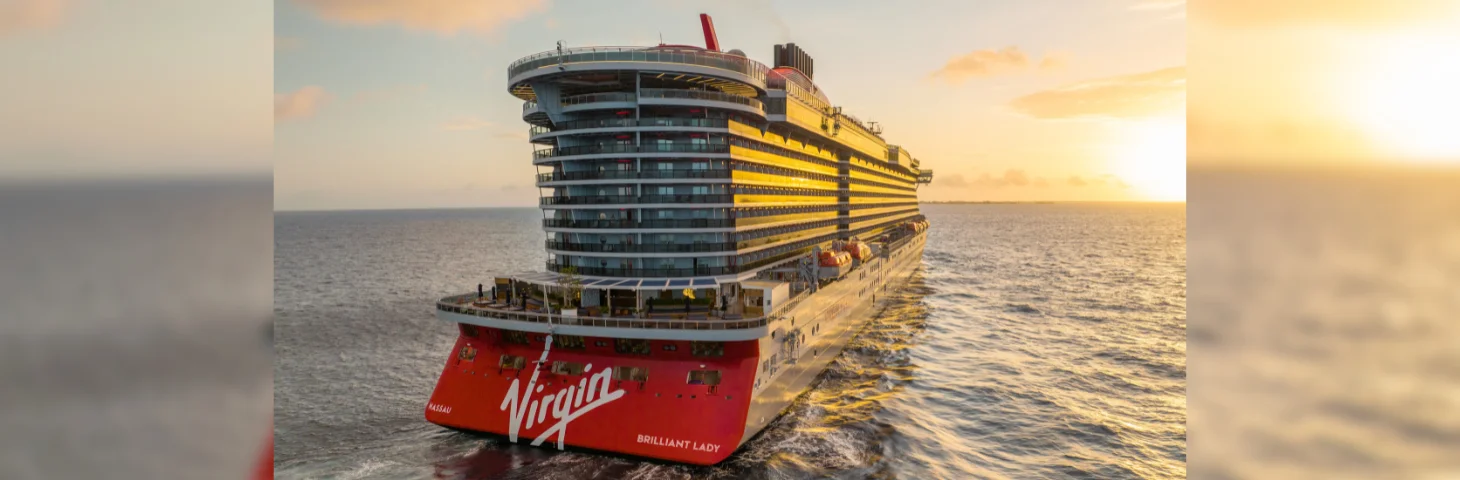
{"x":676,"y":443}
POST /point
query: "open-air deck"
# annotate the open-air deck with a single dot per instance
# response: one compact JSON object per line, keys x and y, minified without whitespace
{"x":469,"y":304}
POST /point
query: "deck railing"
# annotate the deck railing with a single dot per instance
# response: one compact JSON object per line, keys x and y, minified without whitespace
{"x":724,"y":61}
{"x":464,"y":304}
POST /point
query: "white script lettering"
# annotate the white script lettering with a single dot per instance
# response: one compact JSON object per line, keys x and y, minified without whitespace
{"x":564,"y":405}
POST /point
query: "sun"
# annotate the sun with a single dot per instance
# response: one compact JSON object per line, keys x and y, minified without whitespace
{"x":1150,"y":156}
{"x":1404,"y":91}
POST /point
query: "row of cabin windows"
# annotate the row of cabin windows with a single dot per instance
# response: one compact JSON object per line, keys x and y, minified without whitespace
{"x":631,"y":374}
{"x":630,"y":346}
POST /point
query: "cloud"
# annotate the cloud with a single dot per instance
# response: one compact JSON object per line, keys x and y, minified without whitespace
{"x":512,"y":135}
{"x":1352,"y":13}
{"x":951,"y":181}
{"x":989,"y":63}
{"x":446,"y":17}
{"x":1128,"y":96}
{"x":1076,"y":181}
{"x":285,"y":43}
{"x":19,"y":15}
{"x":302,"y":103}
{"x":468,"y":122}
{"x":1010,"y":178}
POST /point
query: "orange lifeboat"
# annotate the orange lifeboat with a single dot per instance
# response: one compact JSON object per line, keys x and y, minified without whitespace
{"x":835,"y":259}
{"x":858,"y":250}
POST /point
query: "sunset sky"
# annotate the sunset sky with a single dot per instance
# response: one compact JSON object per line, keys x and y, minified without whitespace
{"x":389,"y":104}
{"x":1309,"y":82}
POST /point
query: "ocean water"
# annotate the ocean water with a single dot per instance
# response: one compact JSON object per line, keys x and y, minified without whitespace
{"x":134,"y":329}
{"x":1325,"y":326}
{"x":1036,"y":341}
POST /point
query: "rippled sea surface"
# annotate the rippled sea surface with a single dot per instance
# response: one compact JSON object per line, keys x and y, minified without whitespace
{"x":1037,"y":341}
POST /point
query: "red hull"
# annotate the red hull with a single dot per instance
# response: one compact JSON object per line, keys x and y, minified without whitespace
{"x":664,"y":416}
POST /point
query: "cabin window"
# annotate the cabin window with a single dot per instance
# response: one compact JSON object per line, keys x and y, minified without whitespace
{"x":570,"y":342}
{"x":670,"y":347}
{"x":600,"y":343}
{"x":567,"y":368}
{"x":513,"y":361}
{"x":707,"y":349}
{"x":632,"y":374}
{"x":632,"y":346}
{"x":514,"y":337}
{"x":704,"y":377}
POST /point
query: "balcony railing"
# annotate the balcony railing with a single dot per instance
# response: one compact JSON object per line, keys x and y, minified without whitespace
{"x":643,"y":272}
{"x":633,"y":175}
{"x":641,"y":248}
{"x":622,"y":199}
{"x":636,"y":224}
{"x":630,"y":123}
{"x":723,"y":61}
{"x":598,"y":97}
{"x":699,"y":95}
{"x":630,"y":148}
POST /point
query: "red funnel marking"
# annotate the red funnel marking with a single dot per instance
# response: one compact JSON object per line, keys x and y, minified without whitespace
{"x":712,"y":43}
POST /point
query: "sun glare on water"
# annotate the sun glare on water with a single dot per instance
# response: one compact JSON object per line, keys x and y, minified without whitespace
{"x":1151,"y":157}
{"x":1405,"y":93}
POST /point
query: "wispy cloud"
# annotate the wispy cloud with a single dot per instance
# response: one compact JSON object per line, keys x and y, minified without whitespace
{"x":302,"y":103}
{"x":446,"y":17}
{"x":19,"y":15}
{"x":991,"y":62}
{"x":469,"y":122}
{"x":1128,"y":96}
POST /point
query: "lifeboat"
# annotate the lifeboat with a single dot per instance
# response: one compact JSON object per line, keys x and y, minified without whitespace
{"x":858,"y":250}
{"x":835,"y":259}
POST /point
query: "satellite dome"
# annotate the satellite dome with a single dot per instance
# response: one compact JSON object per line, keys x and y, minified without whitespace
{"x":736,"y":52}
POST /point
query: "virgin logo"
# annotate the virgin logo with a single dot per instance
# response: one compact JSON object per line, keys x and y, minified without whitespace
{"x":564,"y":405}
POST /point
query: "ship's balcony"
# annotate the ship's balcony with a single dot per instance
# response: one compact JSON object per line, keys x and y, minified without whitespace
{"x":615,"y":125}
{"x":746,"y":263}
{"x":689,"y":223}
{"x":717,"y":247}
{"x":546,"y":178}
{"x":554,"y":62}
{"x":643,"y":272}
{"x":588,"y":151}
{"x":593,"y":101}
{"x":702,"y":98}
{"x":638,"y":199}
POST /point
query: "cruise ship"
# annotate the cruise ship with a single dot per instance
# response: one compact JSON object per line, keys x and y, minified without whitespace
{"x":716,"y":230}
